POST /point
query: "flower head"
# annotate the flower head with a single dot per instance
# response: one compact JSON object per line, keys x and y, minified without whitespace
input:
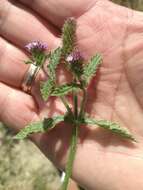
{"x":36,"y":45}
{"x":74,"y":56}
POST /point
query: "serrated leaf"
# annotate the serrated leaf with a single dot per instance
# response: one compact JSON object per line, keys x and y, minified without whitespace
{"x":54,"y":60}
{"x":90,"y":68}
{"x":114,"y":127}
{"x":46,"y":89}
{"x":64,"y":89}
{"x":68,"y":36}
{"x":39,"y":127}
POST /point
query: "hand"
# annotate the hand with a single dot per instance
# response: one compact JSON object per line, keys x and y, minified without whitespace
{"x":103,"y":160}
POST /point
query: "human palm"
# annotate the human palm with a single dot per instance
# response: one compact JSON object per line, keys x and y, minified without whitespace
{"x":115,"y":93}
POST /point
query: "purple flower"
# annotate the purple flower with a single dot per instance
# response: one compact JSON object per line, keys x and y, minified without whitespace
{"x":74,"y":56}
{"x":36,"y":45}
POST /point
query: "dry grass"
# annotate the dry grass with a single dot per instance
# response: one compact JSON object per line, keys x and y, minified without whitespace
{"x":22,"y":166}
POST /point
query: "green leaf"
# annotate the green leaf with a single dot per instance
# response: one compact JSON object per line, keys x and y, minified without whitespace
{"x":114,"y":127}
{"x":64,"y":89}
{"x":39,"y":127}
{"x":68,"y":36}
{"x":90,"y":69}
{"x":54,"y":60}
{"x":46,"y":89}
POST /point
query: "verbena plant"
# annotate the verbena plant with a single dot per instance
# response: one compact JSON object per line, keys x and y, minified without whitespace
{"x":82,"y":74}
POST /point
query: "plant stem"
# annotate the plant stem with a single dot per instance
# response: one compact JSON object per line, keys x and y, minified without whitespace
{"x":66,"y":104}
{"x":73,"y":147}
{"x":73,"y":144}
{"x":75,"y":105}
{"x":75,"y":100}
{"x":82,"y":107}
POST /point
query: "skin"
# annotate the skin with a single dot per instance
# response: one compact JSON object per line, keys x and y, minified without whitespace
{"x":103,"y":160}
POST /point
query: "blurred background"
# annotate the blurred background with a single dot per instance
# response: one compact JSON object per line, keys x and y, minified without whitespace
{"x":22,"y":166}
{"x":134,"y":4}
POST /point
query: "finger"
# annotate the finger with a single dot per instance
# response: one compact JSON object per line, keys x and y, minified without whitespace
{"x":20,"y":26}
{"x":12,"y":67}
{"x":48,"y":9}
{"x":16,"y":108}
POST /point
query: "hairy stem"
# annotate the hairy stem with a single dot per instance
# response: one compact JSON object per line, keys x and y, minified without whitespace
{"x":73,"y":144}
{"x":73,"y":147}
{"x":83,"y":103}
{"x":75,"y":100}
{"x":75,"y":105}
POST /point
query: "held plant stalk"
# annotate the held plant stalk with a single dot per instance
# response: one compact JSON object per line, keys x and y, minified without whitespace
{"x":82,"y":75}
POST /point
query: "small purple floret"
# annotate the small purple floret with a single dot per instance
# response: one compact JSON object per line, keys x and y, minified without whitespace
{"x":36,"y":45}
{"x":74,"y":56}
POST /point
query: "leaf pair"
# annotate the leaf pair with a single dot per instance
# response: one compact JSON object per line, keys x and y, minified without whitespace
{"x":50,"y":123}
{"x":48,"y":89}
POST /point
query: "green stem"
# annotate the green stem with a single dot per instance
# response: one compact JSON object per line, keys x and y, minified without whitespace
{"x":66,"y":104}
{"x":75,"y":100}
{"x":82,"y":107}
{"x":75,"y":105}
{"x":73,"y":146}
